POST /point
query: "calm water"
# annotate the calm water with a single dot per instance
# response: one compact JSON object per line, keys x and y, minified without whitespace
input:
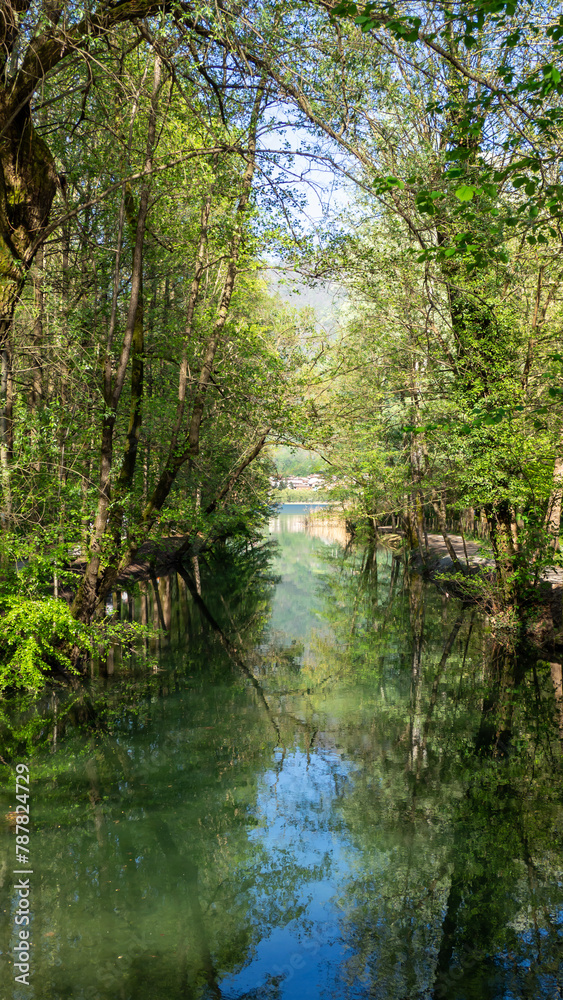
{"x":326,"y":782}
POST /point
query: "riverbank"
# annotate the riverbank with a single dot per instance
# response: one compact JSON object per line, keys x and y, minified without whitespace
{"x":542,"y":611}
{"x":471,"y":577}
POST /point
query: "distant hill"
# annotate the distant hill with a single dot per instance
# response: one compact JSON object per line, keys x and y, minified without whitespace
{"x":296,"y":463}
{"x":324,"y":297}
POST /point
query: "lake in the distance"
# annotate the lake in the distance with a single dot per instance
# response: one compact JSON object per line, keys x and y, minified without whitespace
{"x":304,"y":508}
{"x":331,"y":785}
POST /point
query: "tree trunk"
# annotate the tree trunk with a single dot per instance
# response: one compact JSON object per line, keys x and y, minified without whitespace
{"x":90,"y":596}
{"x":438,"y":506}
{"x":36,"y":392}
{"x":553,"y":517}
{"x":28,"y":183}
{"x":499,"y":518}
{"x":5,"y":434}
{"x":409,"y":524}
{"x":176,"y":457}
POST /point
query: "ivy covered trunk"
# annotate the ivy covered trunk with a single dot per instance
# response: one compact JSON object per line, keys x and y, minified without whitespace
{"x":28,"y":183}
{"x":499,"y":518}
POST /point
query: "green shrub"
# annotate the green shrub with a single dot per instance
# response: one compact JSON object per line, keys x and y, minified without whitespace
{"x":36,"y":638}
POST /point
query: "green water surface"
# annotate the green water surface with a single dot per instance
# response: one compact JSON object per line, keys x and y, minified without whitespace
{"x":326,"y":781}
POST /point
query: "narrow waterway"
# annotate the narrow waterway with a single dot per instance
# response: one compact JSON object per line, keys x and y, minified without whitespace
{"x":325,"y":780}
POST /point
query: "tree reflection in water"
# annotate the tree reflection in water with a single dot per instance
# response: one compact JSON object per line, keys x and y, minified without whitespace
{"x":334,"y":785}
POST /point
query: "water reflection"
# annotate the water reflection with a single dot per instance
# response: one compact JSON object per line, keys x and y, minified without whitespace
{"x":335,"y":785}
{"x":315,"y":523}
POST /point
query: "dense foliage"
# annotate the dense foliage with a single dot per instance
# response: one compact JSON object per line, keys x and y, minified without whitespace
{"x":447,"y":408}
{"x":148,"y":177}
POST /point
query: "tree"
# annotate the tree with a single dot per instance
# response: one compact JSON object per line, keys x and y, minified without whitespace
{"x":477,"y":282}
{"x":146,"y":293}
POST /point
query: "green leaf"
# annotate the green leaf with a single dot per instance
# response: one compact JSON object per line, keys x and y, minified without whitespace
{"x":465,"y":192}
{"x":395,"y":182}
{"x":344,"y":10}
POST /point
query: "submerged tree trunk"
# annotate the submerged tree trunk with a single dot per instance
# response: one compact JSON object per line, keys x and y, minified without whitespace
{"x":557,"y":681}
